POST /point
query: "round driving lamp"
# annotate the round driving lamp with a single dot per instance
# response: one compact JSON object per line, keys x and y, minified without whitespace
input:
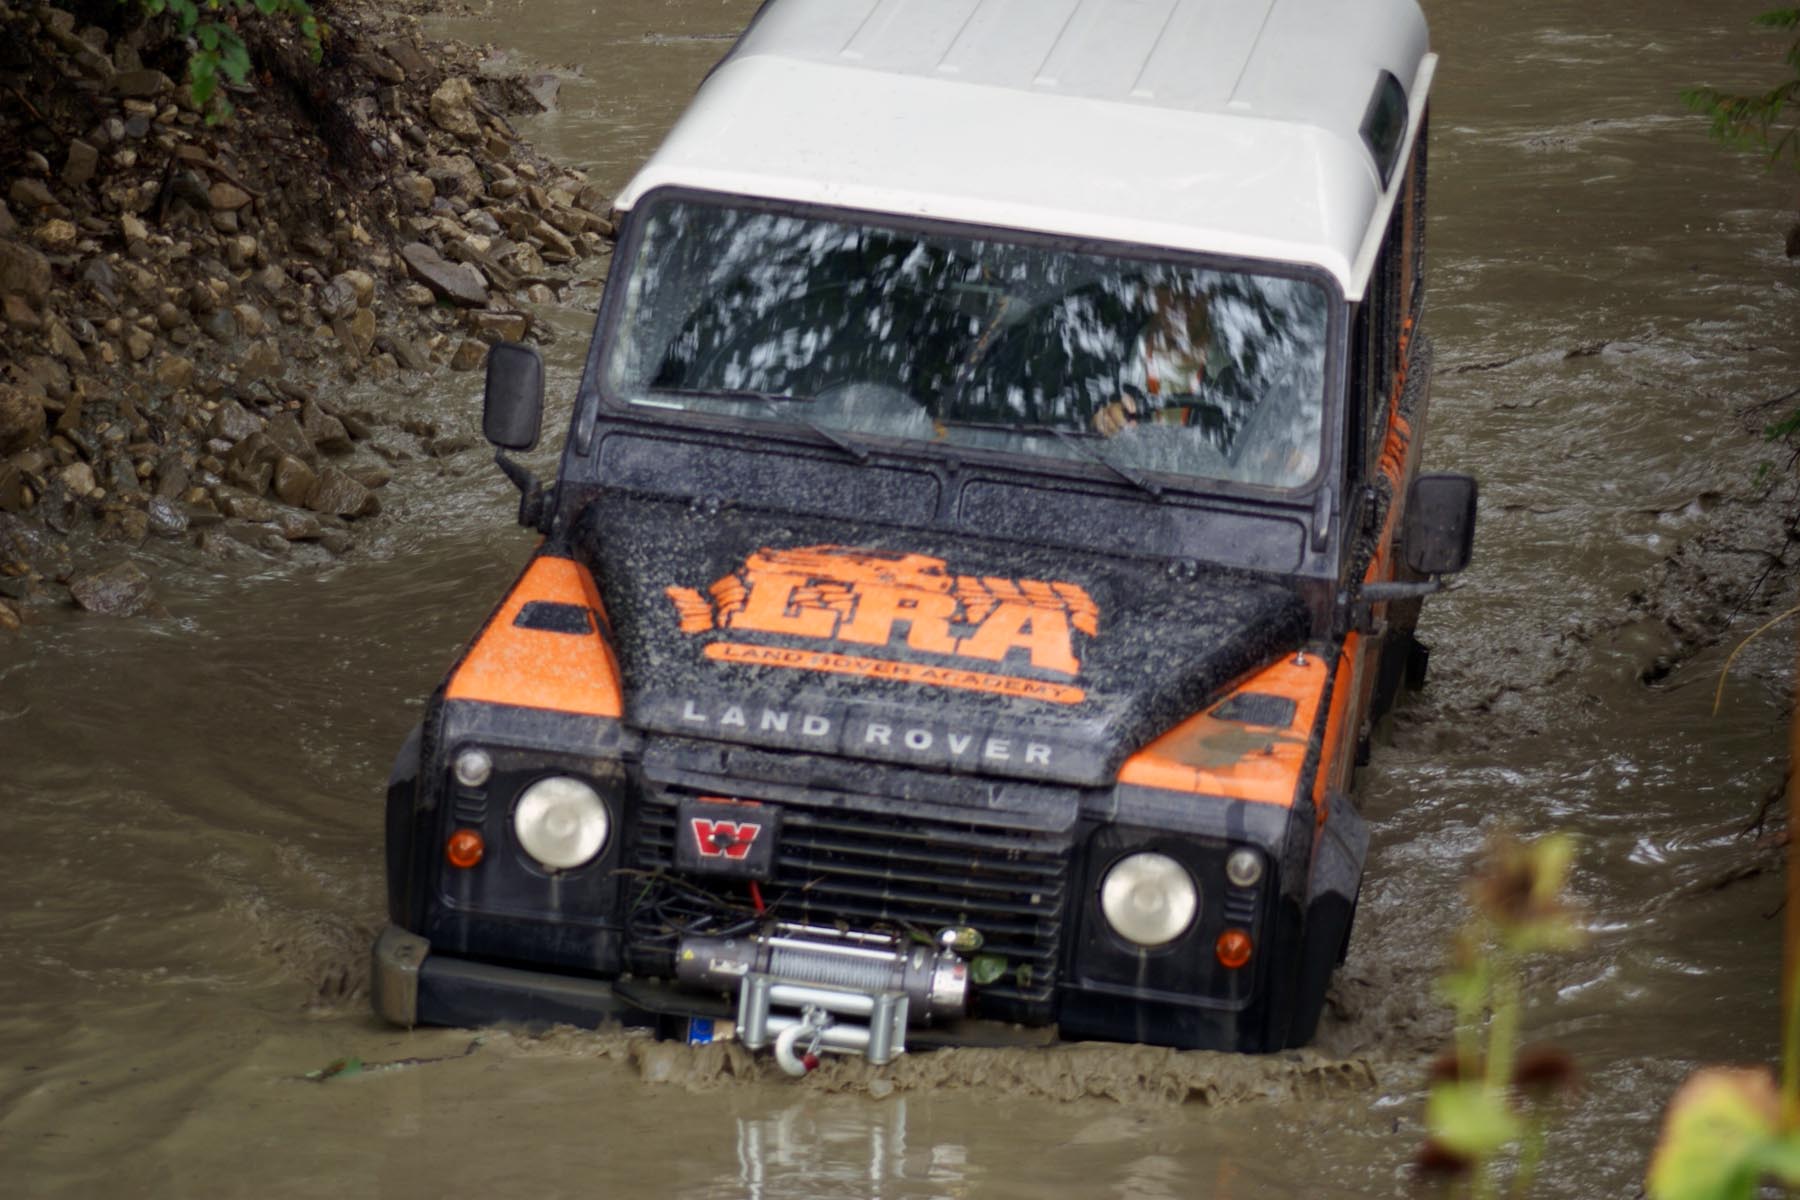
{"x":1244,"y":867}
{"x":1149,"y":899}
{"x":473,"y":767}
{"x":561,"y":822}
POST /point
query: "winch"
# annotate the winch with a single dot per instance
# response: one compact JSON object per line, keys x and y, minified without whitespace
{"x":806,"y":988}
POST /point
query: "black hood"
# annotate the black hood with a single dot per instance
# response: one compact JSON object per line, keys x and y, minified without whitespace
{"x":915,"y":646}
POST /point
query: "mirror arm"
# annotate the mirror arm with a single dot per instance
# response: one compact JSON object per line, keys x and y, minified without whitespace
{"x":534,"y":504}
{"x":1378,"y":593}
{"x":1358,"y":606}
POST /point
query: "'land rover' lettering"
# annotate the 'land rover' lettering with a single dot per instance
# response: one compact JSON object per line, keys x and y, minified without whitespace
{"x":923,"y":741}
{"x":872,"y":598}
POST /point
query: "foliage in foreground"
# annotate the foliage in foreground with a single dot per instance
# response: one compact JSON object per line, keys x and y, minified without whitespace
{"x":1751,"y":121}
{"x":1491,"y":1099}
{"x":216,"y":48}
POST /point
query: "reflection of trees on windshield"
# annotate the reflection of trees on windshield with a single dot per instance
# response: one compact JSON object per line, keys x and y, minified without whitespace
{"x":814,"y":312}
{"x":978,"y":343}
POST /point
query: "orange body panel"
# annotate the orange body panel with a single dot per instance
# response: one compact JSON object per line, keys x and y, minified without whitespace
{"x":1338,"y":752}
{"x":1258,"y":763}
{"x":535,"y":668}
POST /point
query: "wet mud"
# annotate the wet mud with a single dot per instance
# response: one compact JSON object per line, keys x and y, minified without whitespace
{"x":193,"y":870}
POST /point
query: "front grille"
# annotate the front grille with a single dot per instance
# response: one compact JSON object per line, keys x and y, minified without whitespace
{"x":873,"y":872}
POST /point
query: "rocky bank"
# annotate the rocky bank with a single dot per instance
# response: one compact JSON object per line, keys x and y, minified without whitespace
{"x":181,"y":301}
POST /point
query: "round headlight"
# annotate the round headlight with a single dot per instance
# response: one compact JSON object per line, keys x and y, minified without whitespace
{"x":1244,"y":867}
{"x":1149,"y":899}
{"x":561,"y":822}
{"x":473,"y":766}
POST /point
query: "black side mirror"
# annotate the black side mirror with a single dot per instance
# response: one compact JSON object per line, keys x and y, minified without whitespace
{"x":1439,"y":532}
{"x":513,"y":409}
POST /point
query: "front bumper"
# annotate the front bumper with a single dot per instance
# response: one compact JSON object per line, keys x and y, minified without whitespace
{"x":408,"y":985}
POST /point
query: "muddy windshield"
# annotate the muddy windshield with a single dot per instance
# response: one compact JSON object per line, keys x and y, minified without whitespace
{"x":974,"y":342}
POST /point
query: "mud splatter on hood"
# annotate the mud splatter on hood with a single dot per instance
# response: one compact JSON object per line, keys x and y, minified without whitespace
{"x":915,"y":646}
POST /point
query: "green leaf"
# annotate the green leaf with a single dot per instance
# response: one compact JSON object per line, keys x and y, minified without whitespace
{"x":208,"y":37}
{"x":1465,"y":990}
{"x":1470,"y":1118}
{"x":201,"y":75}
{"x":1781,"y":1158}
{"x":234,"y":60}
{"x":985,"y":968}
{"x":1718,"y":1136}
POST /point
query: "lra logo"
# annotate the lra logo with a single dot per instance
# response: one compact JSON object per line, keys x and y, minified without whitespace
{"x":874,"y":598}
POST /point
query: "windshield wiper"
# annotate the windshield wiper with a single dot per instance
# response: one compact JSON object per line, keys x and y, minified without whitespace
{"x":769,"y":401}
{"x":1140,"y":482}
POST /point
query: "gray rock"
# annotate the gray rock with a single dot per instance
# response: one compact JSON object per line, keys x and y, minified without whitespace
{"x":419,"y":189}
{"x":298,"y":526}
{"x":260,"y":361}
{"x":361,"y":283}
{"x":294,"y":481}
{"x":544,"y":89}
{"x":243,"y":507}
{"x":136,"y":126}
{"x":23,"y":271}
{"x":166,"y":517}
{"x":272,"y":281}
{"x":407,"y":56}
{"x":117,"y":591}
{"x":450,"y":109}
{"x":174,"y":371}
{"x":408,"y":353}
{"x":21,"y":419}
{"x":455,"y":175}
{"x":19,"y":313}
{"x":82,"y":160}
{"x":226,"y":197}
{"x":339,"y":495}
{"x":458,"y":283}
{"x":337,"y":300}
{"x":373,"y":477}
{"x":99,"y":273}
{"x":469,"y":355}
{"x":31,"y":194}
{"x":284,"y":433}
{"x":141,"y":83}
{"x":221,"y":325}
{"x":234,"y":422}
{"x":324,"y":431}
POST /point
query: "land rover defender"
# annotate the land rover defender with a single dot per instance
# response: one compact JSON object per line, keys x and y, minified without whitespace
{"x":989,"y":528}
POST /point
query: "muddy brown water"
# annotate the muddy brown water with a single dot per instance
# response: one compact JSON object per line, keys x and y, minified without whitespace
{"x":190,"y":865}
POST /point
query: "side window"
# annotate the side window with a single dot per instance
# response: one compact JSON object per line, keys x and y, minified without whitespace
{"x":1394,"y":301}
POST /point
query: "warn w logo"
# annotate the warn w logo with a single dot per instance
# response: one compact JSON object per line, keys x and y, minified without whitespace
{"x":723,"y":839}
{"x":876,"y":599}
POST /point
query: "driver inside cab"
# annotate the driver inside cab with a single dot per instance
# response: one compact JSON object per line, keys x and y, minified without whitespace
{"x":1170,"y":364}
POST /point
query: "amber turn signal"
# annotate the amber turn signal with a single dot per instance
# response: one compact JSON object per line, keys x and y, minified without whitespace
{"x":465,"y":848}
{"x":1233,"y":948}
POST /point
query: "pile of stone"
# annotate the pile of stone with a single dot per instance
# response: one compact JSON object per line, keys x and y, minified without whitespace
{"x":179,"y":300}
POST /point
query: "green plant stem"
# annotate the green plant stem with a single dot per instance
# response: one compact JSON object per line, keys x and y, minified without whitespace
{"x":1503,"y":1030}
{"x":1790,"y":975}
{"x":1531,"y":1153}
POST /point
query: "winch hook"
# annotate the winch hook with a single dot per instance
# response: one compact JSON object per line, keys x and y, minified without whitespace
{"x":813,"y":1023}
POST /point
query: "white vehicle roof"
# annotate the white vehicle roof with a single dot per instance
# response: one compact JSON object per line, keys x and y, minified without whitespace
{"x":1230,"y":126}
